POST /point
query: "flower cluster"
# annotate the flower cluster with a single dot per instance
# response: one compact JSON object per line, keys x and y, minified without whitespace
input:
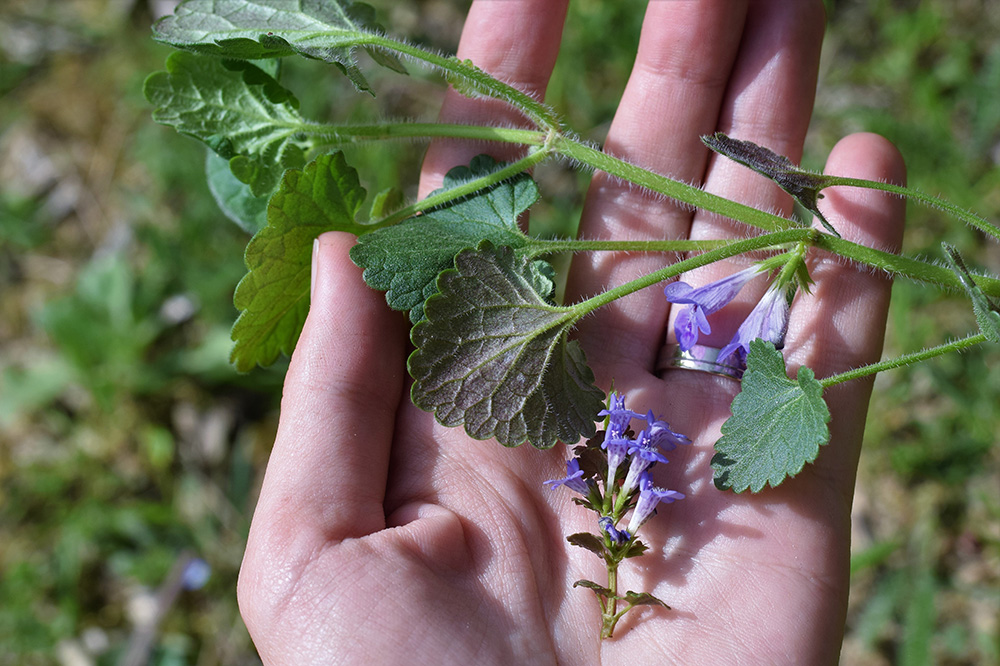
{"x":612,"y":474}
{"x":768,"y":320}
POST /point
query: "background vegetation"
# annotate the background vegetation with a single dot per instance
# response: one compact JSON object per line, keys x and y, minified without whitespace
{"x":127,"y":443}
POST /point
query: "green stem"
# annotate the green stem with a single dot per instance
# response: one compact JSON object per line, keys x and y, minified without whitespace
{"x":731,"y":249}
{"x":558,"y":143}
{"x":554,"y":142}
{"x":540,"y":246}
{"x":610,"y":610}
{"x":899,"y":265}
{"x":966,"y":216}
{"x":535,"y":110}
{"x":351,"y":134}
{"x":906,"y":359}
{"x":469,"y":187}
{"x":674,"y":189}
{"x":793,"y":263}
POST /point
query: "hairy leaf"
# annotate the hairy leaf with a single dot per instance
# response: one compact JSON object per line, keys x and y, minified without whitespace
{"x":234,"y":198}
{"x":777,"y":426}
{"x":240,"y":121}
{"x":404,"y":260}
{"x":274,"y":295}
{"x":494,"y":356}
{"x":254,"y":29}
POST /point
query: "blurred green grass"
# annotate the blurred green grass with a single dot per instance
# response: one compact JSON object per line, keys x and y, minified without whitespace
{"x":126,"y":440}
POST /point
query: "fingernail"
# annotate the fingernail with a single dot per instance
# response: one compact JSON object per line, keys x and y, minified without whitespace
{"x":315,"y":261}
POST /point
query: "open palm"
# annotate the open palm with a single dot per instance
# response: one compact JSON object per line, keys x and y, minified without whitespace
{"x":383,"y":537}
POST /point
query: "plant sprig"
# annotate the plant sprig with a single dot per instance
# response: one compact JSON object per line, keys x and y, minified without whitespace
{"x":519,"y":361}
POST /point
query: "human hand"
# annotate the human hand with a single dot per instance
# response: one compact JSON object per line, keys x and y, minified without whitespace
{"x":383,"y":537}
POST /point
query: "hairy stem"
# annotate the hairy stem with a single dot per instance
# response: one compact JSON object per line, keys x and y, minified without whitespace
{"x":470,"y":187}
{"x":338,"y":135}
{"x":535,"y":110}
{"x":730,"y":249}
{"x":966,"y":216}
{"x":669,"y":187}
{"x":906,"y":359}
{"x":895,"y":264}
{"x":540,"y":246}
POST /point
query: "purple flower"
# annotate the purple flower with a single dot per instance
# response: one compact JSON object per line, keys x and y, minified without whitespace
{"x":768,"y":321}
{"x":662,"y":436}
{"x":618,"y":537}
{"x":617,"y":449}
{"x":649,"y":497}
{"x":644,"y":453}
{"x":618,"y":416}
{"x":703,"y":301}
{"x":574,"y":478}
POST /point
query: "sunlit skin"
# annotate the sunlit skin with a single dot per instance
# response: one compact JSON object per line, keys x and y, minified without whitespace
{"x":382,"y":537}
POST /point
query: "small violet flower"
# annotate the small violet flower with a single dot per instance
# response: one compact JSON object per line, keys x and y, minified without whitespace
{"x":662,"y":436}
{"x":618,"y":416}
{"x":644,"y":453}
{"x":574,"y":478}
{"x":703,"y":301}
{"x":768,"y":321}
{"x":649,"y":497}
{"x":617,"y":449}
{"x":618,"y":537}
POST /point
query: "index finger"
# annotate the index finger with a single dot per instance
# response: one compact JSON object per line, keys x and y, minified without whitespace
{"x":516,"y":41}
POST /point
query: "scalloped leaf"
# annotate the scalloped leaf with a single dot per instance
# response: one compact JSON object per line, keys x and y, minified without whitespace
{"x":494,"y":356}
{"x":405,"y":260}
{"x":241,"y":112}
{"x":256,"y":29}
{"x":273,"y":296}
{"x":777,"y":426}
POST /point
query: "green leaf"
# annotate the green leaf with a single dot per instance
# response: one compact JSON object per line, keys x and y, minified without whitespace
{"x":274,"y":295}
{"x":644,"y":599}
{"x":263,"y":73}
{"x":494,"y":356}
{"x":255,"y":29}
{"x":234,"y":198}
{"x":777,"y":424}
{"x":986,"y":310}
{"x":201,"y":97}
{"x":589,"y":541}
{"x":802,"y":184}
{"x":404,"y":260}
{"x":636,"y":549}
{"x":385,"y":202}
{"x":599,"y":590}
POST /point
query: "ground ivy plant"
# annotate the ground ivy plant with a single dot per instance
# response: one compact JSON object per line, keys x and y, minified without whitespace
{"x":493,"y":349}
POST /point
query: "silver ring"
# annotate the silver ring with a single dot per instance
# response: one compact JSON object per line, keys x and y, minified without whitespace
{"x":700,"y":358}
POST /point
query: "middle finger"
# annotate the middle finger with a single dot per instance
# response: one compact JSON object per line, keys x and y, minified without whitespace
{"x":674,"y":95}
